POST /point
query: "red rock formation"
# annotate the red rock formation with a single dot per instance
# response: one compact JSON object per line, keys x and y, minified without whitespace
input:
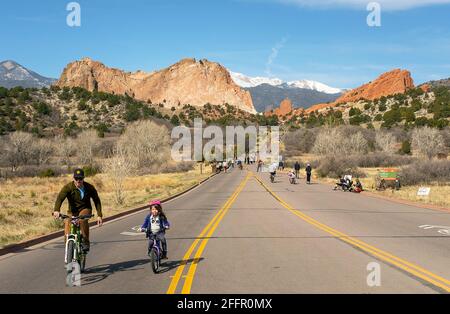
{"x":425,"y":87}
{"x":286,"y":108}
{"x":390,"y":83}
{"x":319,"y":107}
{"x":186,"y":82}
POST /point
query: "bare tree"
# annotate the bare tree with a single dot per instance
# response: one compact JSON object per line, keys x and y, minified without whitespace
{"x":356,"y":144}
{"x":145,"y":143}
{"x":86,"y":143}
{"x":333,"y":141}
{"x":428,"y":142}
{"x":42,"y":151}
{"x":65,"y":148}
{"x":118,"y":168}
{"x":385,"y":142}
{"x":18,"y":149}
{"x":329,"y":141}
{"x":300,"y":140}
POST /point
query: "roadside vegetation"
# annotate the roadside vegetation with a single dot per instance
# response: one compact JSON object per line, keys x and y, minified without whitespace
{"x":127,"y":169}
{"x":27,"y":203}
{"x":415,"y":108}
{"x":420,"y":155}
{"x":65,"y":111}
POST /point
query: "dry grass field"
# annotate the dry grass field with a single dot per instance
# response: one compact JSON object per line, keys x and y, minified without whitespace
{"x":26,"y":204}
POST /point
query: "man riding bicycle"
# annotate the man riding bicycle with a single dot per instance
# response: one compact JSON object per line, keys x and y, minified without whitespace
{"x":79,"y":195}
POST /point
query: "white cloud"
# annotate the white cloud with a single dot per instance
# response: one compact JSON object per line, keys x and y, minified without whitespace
{"x":390,"y":5}
{"x":274,"y":55}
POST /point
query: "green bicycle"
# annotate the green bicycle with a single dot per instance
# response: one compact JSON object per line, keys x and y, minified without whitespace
{"x":75,"y":257}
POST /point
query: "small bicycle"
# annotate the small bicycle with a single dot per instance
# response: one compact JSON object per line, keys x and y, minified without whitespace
{"x":73,"y":250}
{"x":155,"y":253}
{"x":272,"y":177}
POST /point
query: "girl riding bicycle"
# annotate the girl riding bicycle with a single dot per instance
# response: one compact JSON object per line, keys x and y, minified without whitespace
{"x":155,"y":225}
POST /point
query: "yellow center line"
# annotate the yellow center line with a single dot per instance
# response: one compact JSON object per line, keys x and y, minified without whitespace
{"x":191,"y":273}
{"x":178,"y":274}
{"x":385,"y":256}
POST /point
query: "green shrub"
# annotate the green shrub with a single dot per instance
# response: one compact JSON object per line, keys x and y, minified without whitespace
{"x":47,"y":173}
{"x":416,"y":105}
{"x":406,"y":148}
{"x":90,"y":170}
{"x":391,"y":117}
{"x":3,"y":92}
{"x":382,"y":107}
{"x":24,"y":96}
{"x":42,"y":108}
{"x":421,"y":121}
{"x":82,"y":105}
{"x":354,"y":112}
{"x":175,"y":120}
{"x":102,"y":128}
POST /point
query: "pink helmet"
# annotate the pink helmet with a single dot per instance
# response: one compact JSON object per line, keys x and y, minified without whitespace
{"x":155,"y":202}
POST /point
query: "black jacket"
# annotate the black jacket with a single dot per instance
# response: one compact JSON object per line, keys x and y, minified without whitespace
{"x":76,"y":204}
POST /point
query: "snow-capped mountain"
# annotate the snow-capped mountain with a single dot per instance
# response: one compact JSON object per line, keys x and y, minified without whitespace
{"x":313,"y":85}
{"x":13,"y":74}
{"x":248,"y":82}
{"x":270,"y":92}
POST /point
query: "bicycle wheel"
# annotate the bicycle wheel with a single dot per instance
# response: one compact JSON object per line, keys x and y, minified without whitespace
{"x":70,"y":250}
{"x":154,"y":260}
{"x":82,"y":262}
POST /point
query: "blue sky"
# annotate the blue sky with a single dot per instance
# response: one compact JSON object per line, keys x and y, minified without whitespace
{"x":324,"y":40}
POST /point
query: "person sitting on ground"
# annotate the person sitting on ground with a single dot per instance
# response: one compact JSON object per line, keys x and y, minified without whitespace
{"x":292,"y":176}
{"x":358,"y":186}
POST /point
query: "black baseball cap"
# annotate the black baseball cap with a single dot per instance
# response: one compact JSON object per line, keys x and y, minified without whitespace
{"x":78,"y":174}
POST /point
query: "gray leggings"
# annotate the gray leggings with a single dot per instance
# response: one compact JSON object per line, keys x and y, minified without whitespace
{"x":161,"y":237}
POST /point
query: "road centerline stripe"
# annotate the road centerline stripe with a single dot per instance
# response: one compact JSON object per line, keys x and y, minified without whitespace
{"x":384,"y":256}
{"x":192,"y":269}
{"x":178,"y":274}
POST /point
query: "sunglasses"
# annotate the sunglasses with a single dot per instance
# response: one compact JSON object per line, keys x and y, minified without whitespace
{"x":79,"y":179}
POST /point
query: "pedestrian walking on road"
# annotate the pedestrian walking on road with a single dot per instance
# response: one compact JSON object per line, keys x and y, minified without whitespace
{"x":259,"y":168}
{"x":297,"y":170}
{"x":308,"y":173}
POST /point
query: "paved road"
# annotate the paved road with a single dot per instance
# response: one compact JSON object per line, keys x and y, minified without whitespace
{"x":238,"y":233}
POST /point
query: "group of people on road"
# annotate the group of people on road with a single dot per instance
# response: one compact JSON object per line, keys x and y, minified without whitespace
{"x":293,"y":174}
{"x":80,"y":193}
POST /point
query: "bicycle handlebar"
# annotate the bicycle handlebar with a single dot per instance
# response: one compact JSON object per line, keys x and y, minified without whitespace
{"x":82,"y":217}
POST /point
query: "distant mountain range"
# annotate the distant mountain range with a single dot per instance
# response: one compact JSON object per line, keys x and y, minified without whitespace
{"x":13,"y":74}
{"x":269,"y":92}
{"x":439,"y":83}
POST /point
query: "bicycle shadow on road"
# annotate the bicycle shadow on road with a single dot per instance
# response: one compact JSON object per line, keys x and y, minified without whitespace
{"x":101,"y":272}
{"x":169,"y":265}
